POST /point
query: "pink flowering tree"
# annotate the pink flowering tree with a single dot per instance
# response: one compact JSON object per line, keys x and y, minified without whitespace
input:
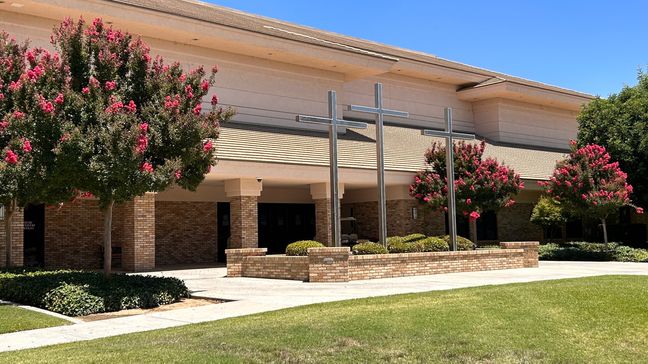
{"x":139,"y":126}
{"x":33,"y":109}
{"x":481,"y":184}
{"x":588,"y":184}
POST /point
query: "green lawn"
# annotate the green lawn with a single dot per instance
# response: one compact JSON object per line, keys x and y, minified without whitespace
{"x":590,"y":320}
{"x":14,"y":318}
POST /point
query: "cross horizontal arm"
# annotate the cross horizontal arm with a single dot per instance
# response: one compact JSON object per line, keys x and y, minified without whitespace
{"x":323,"y":120}
{"x":373,"y":110}
{"x":445,"y":134}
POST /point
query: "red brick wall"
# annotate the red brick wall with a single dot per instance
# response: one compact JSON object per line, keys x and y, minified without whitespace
{"x":244,"y":222}
{"x":138,"y":247}
{"x":323,"y":228}
{"x":513,"y":224}
{"x":276,"y":266}
{"x":73,"y":234}
{"x":185,"y":232}
{"x":17,"y":248}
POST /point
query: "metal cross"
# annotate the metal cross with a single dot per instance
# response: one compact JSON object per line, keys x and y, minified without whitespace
{"x":333,"y":122}
{"x":449,"y":135}
{"x":380,"y":113}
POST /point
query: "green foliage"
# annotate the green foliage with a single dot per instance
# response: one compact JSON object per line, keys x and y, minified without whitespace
{"x":300,"y":248}
{"x":620,"y":124}
{"x":368,"y":248}
{"x":547,"y":212}
{"x":434,"y":244}
{"x":413,"y":237}
{"x":73,"y":300}
{"x":462,"y":243}
{"x":406,"y":247}
{"x":79,"y":292}
{"x":584,"y":251}
{"x":394,"y":239}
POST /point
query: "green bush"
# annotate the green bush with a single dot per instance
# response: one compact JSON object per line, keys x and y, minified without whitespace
{"x":300,"y":248}
{"x":413,"y":237}
{"x":368,"y":248}
{"x":73,"y":300}
{"x":434,"y":244}
{"x":395,"y":239}
{"x":70,"y":292}
{"x":403,"y":247}
{"x":584,"y":251}
{"x":462,"y":243}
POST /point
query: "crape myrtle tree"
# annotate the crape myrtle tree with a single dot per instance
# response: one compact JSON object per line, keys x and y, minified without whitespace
{"x":620,"y":124}
{"x":588,"y":184}
{"x":34,"y":114}
{"x":139,"y":125}
{"x":481,"y":184}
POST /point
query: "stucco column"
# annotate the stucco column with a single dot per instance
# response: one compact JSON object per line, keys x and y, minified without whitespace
{"x":17,"y":245}
{"x":243,"y":195}
{"x":321,"y":194}
{"x":138,"y":247}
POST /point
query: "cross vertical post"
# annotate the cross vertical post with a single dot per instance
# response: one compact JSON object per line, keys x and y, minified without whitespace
{"x":380,"y":113}
{"x":333,"y":122}
{"x":449,"y":136}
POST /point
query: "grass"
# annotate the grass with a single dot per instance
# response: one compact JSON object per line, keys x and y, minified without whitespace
{"x":588,"y":320}
{"x":14,"y":318}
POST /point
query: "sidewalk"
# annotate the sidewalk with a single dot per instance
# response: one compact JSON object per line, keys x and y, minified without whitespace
{"x":250,"y":296}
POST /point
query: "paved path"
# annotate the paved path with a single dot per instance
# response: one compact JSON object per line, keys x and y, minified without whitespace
{"x":250,"y":295}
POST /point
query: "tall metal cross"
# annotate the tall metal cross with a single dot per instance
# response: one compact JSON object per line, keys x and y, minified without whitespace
{"x":449,"y":135}
{"x":380,"y":113}
{"x":333,"y":122}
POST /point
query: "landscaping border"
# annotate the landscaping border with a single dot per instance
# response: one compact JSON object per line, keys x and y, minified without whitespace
{"x":338,"y":265}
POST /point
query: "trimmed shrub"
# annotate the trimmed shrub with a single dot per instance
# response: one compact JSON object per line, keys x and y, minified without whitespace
{"x":300,"y":248}
{"x":76,"y":292}
{"x":462,"y":243}
{"x":395,"y":239}
{"x":368,"y":248}
{"x":73,"y":300}
{"x":434,"y":244}
{"x":628,"y":254}
{"x":584,"y":251}
{"x":403,"y":247}
{"x":413,"y":237}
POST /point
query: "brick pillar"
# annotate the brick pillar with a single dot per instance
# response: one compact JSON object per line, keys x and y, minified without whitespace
{"x":138,"y":246}
{"x":244,"y":212}
{"x":530,"y":251}
{"x":328,"y":264}
{"x":321,"y":194}
{"x":17,"y":246}
{"x":235,"y":258}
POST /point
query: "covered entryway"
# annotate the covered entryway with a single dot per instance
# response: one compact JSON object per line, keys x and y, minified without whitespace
{"x":283,"y":223}
{"x":34,"y":236}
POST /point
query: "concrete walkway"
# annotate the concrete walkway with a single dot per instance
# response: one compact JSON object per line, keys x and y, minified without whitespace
{"x":250,"y":295}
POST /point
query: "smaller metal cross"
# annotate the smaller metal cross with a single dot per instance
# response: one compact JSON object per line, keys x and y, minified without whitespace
{"x":449,"y":135}
{"x":333,"y":122}
{"x":380,"y":113}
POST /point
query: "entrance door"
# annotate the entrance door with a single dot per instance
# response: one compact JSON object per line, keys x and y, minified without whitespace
{"x":34,"y":236}
{"x":223,"y":221}
{"x":281,"y":224}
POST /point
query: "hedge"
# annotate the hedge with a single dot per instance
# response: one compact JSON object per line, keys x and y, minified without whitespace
{"x":300,"y":248}
{"x":367,"y":248}
{"x":404,"y":247}
{"x":76,"y":293}
{"x":462,"y":243}
{"x":434,"y":244}
{"x":584,"y":251}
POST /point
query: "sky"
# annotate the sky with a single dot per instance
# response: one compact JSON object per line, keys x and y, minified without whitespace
{"x":591,"y":46}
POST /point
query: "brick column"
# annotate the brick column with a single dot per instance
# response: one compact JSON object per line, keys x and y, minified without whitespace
{"x":235,"y":258}
{"x":243,"y":195}
{"x":328,"y":264}
{"x":138,"y":247}
{"x":321,"y":194}
{"x":530,"y":251}
{"x":17,"y":246}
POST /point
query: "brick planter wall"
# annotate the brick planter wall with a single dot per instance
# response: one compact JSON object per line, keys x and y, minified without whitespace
{"x":337,"y":265}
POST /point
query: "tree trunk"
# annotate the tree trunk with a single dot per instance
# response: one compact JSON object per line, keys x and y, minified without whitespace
{"x":473,"y":230}
{"x":605,"y":237}
{"x":9,"y":211}
{"x":107,"y":238}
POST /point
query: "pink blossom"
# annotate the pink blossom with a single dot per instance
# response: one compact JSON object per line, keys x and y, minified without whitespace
{"x":207,"y":147}
{"x":85,"y":90}
{"x":177,"y":174}
{"x":115,"y":107}
{"x":474,"y":215}
{"x":143,"y":127}
{"x":182,"y":78}
{"x":4,"y":124}
{"x":2,"y":96}
{"x":46,"y":106}
{"x":131,"y":107}
{"x":468,"y":201}
{"x":59,"y":99}
{"x":197,"y":109}
{"x":26,"y":146}
{"x":110,"y":85}
{"x":147,"y":167}
{"x":215,"y":69}
{"x":142,"y":144}
{"x":204,"y":85}
{"x":639,"y":210}
{"x":11,"y":157}
{"x":30,"y":56}
{"x":214,"y":100}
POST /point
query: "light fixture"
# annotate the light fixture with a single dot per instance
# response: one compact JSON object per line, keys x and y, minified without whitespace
{"x":414,"y":213}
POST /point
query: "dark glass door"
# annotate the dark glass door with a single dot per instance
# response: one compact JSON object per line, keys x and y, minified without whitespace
{"x":34,"y":236}
{"x":281,"y":224}
{"x":223,"y":221}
